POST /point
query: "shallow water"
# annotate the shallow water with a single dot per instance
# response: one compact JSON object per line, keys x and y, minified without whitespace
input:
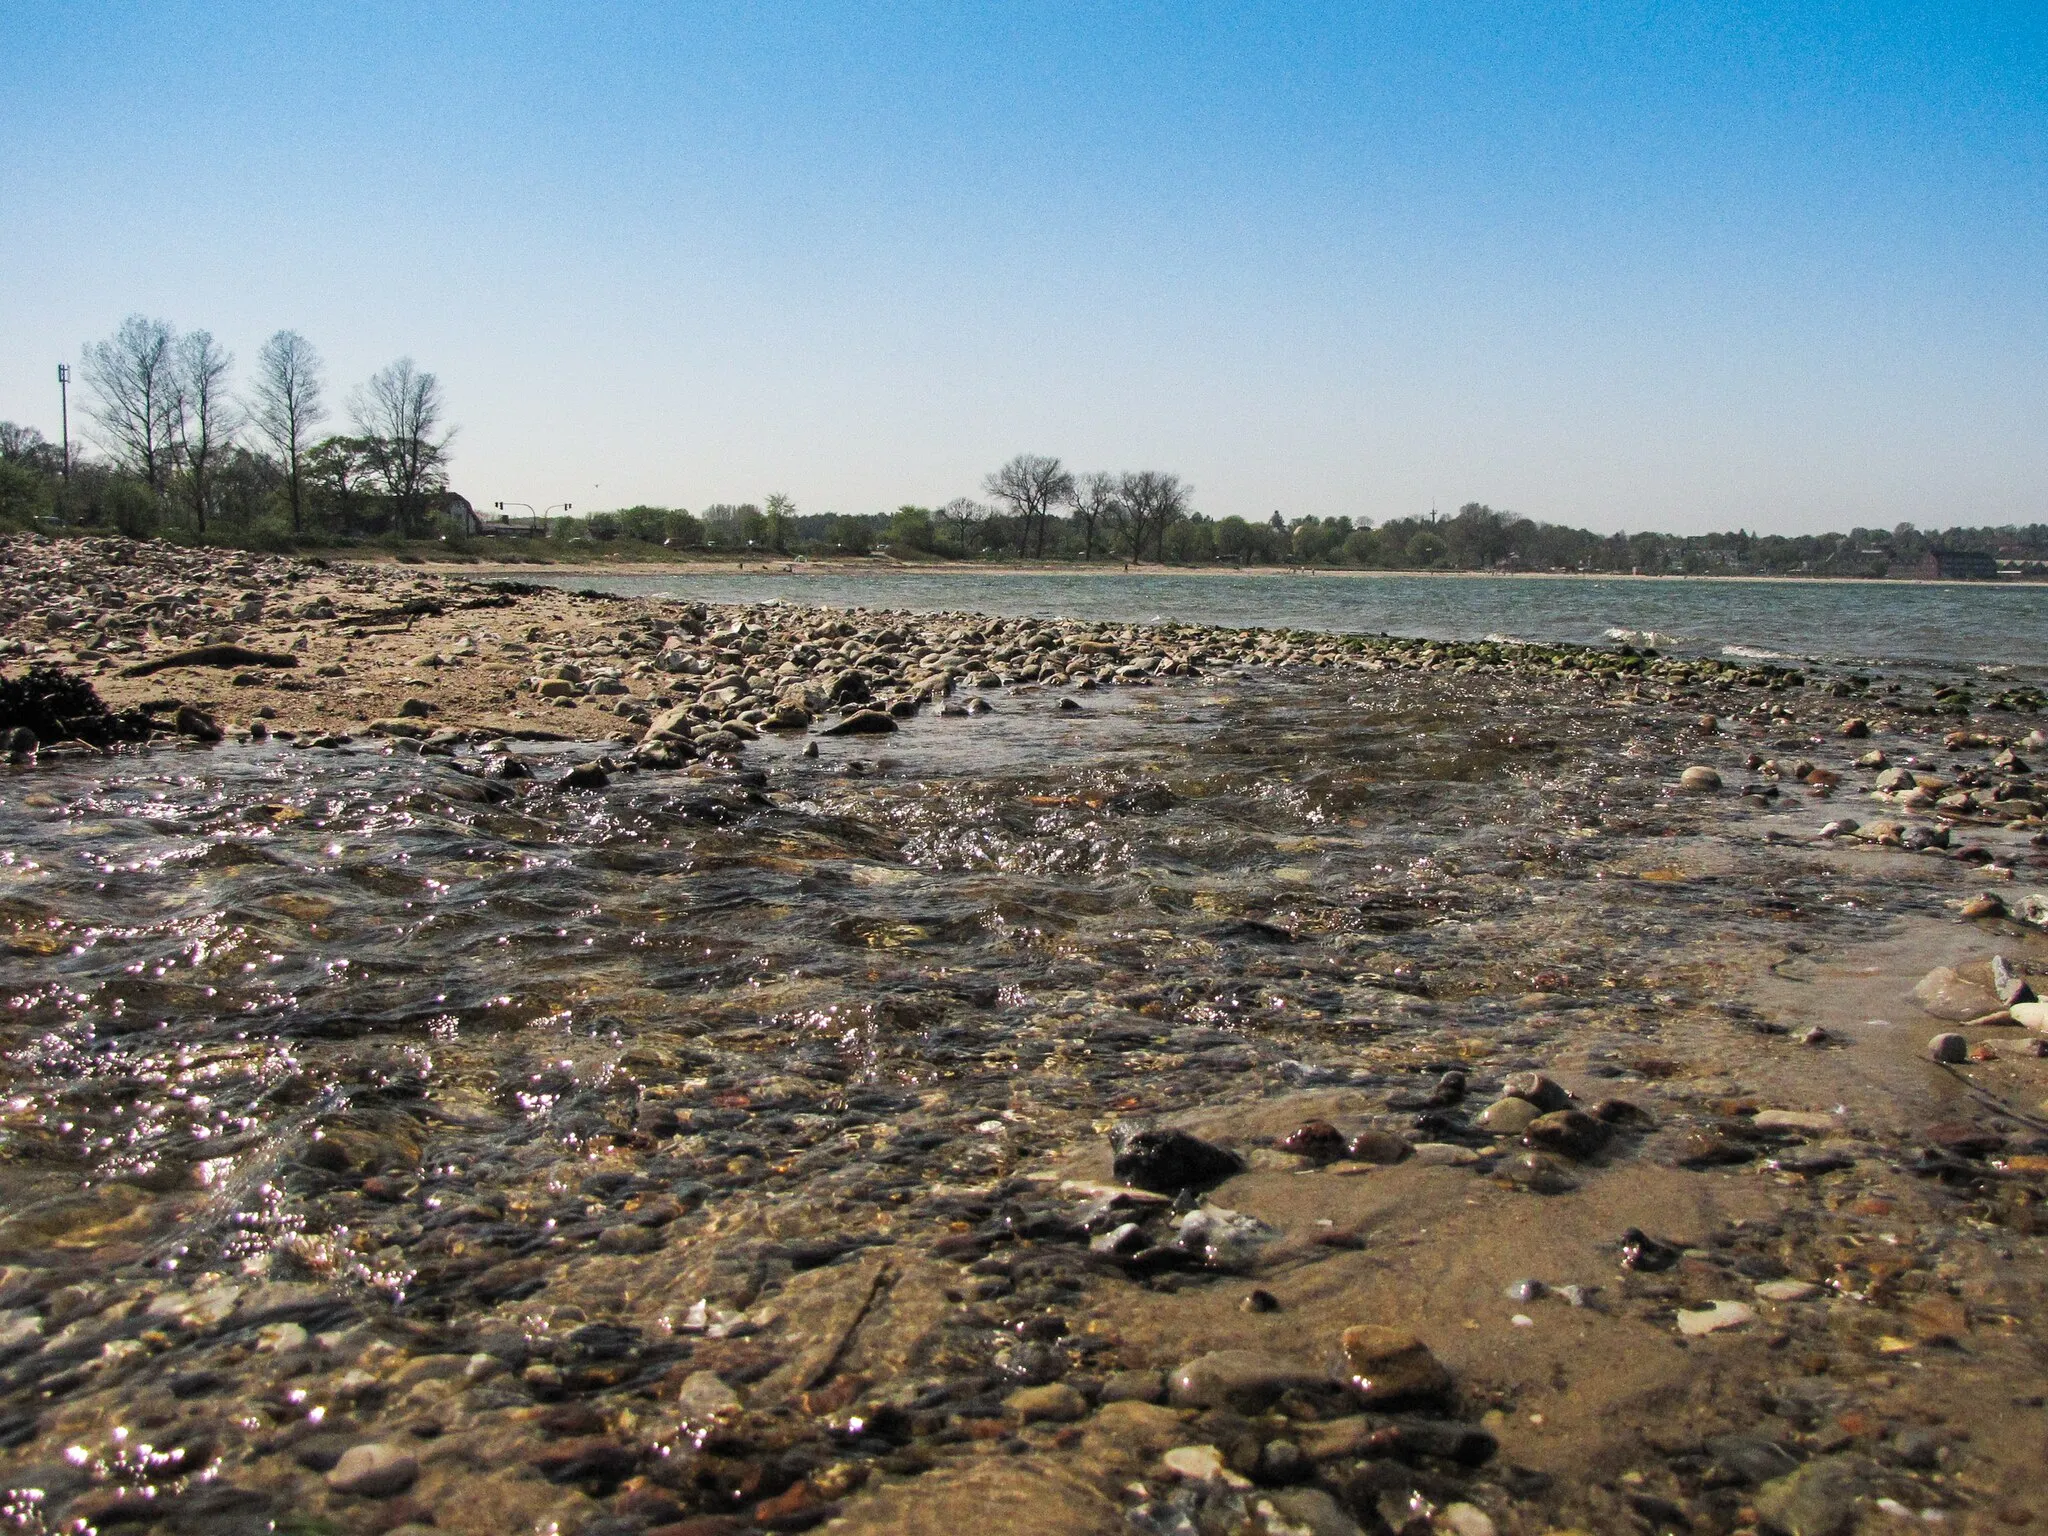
{"x":217,"y":956}
{"x":1945,"y":627}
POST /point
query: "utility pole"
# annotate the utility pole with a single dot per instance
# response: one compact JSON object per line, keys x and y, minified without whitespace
{"x":64,"y":413}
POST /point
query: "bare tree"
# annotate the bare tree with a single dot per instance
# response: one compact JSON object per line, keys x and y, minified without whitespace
{"x":1148,"y":503}
{"x":399,"y":412}
{"x":204,"y":417}
{"x":963,"y":513}
{"x":1095,"y":505}
{"x":1031,"y":485}
{"x":285,"y":406}
{"x":133,"y":379}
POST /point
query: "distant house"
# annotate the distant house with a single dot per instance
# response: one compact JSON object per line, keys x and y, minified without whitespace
{"x":1958,"y":565}
{"x":458,"y":516}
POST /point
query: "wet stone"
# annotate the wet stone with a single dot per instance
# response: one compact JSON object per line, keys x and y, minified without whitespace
{"x":1167,"y":1161}
{"x":1317,"y":1140}
{"x":373,"y":1471}
{"x":1249,"y":1381}
{"x":1569,"y":1133}
{"x":1385,"y":1366}
{"x":1379,"y":1147}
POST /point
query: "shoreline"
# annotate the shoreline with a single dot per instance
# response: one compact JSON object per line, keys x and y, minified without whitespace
{"x":697,"y":1130}
{"x":651,"y":570}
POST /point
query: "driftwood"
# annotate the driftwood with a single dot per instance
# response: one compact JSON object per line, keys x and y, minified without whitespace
{"x":213,"y":656}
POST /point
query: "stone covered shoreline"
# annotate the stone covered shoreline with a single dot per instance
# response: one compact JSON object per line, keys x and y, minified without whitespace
{"x":1517,"y":1247}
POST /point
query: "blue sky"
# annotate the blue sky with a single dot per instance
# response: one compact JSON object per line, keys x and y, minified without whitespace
{"x":1665,"y":266}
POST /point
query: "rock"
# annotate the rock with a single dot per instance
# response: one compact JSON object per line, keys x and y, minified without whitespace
{"x":1855,"y":728}
{"x":1317,"y":1140}
{"x":1384,"y":1365}
{"x":704,"y":1395}
{"x":864,"y":722}
{"x":1199,"y":1464}
{"x":1145,"y":1428}
{"x":1539,"y":1173}
{"x":2008,"y":982}
{"x":1948,"y":1049}
{"x":1166,"y":1160}
{"x":1569,"y":1133}
{"x":1963,"y":1138}
{"x":1225,"y":1239}
{"x":1946,"y":995}
{"x":1713,"y":1317}
{"x":1749,"y":1459}
{"x":1055,"y":1403}
{"x":2032,"y":1016}
{"x":1508,"y":1117}
{"x":1984,"y":904}
{"x":1786,"y":1291}
{"x":373,"y":1471}
{"x":1709,"y":1149}
{"x":1443,"y":1154}
{"x":585,"y":776}
{"x":1639,"y":1251}
{"x":1545,"y":1093}
{"x":1463,"y":1519}
{"x":197,"y":724}
{"x":1134,"y":1387}
{"x":797,"y":1508}
{"x":1246,"y":1380}
{"x":1314,"y":1511}
{"x":1379,"y":1147}
{"x":1817,"y":1500}
{"x":1700,"y":777}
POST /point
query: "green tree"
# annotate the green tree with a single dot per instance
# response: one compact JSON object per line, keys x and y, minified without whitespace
{"x":911,"y":528}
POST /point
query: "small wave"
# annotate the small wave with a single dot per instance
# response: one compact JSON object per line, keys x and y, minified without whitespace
{"x":1650,"y":637}
{"x":1500,"y":639}
{"x":1754,"y":653}
{"x":1996,"y":668}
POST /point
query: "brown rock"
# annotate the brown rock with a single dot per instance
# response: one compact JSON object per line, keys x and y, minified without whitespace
{"x":1385,"y":1365}
{"x":1317,"y":1140}
{"x":1379,"y":1147}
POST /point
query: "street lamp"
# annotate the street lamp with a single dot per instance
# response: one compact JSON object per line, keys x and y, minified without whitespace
{"x":64,"y":410}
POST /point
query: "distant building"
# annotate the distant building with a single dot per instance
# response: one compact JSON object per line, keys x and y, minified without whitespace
{"x":458,"y":516}
{"x":1958,"y":565}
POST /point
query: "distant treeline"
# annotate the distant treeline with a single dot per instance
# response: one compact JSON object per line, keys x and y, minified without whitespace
{"x":181,"y":452}
{"x":1036,"y":509}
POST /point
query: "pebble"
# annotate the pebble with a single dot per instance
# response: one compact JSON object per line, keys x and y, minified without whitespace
{"x":1946,"y":995}
{"x":1385,"y":1365}
{"x":1462,"y":1519}
{"x":1544,"y":1092}
{"x":1948,"y":1049}
{"x":1569,"y":1133}
{"x":1317,"y":1140}
{"x":1247,"y":1380}
{"x":1787,"y":1290}
{"x":373,"y":1471}
{"x":1713,"y":1317}
{"x":1055,"y":1402}
{"x":1379,"y":1147}
{"x":1167,"y":1161}
{"x":1443,"y":1154}
{"x":1700,"y":777}
{"x":1200,"y":1464}
{"x":1508,"y":1117}
{"x":704,"y":1395}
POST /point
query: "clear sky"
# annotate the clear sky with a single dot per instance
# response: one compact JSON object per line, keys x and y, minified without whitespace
{"x":1626,"y":266}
